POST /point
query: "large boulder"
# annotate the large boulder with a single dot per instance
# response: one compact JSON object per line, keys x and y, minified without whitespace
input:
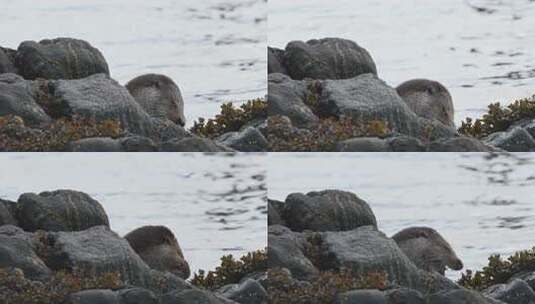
{"x":329,"y":210}
{"x":18,"y":250}
{"x":287,"y":97}
{"x":515,"y":292}
{"x":516,"y":139}
{"x":367,"y":98}
{"x":61,"y":58}
{"x":61,"y":210}
{"x":96,"y":97}
{"x":16,"y":98}
{"x":329,"y":58}
{"x":286,"y":251}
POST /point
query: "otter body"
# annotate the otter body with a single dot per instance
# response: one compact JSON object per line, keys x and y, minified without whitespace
{"x":158,"y":247}
{"x":428,"y":99}
{"x":427,"y":249}
{"x":159,"y":96}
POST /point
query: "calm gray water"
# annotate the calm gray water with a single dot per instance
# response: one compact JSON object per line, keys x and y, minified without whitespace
{"x":215,"y":50}
{"x":482,"y":204}
{"x":482,"y":56}
{"x":214,"y":204}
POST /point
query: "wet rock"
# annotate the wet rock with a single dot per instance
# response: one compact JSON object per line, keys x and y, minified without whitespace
{"x":6,"y":213}
{"x":96,"y":97}
{"x":159,"y":96}
{"x":61,"y":58}
{"x":276,"y":61}
{"x":61,"y":210}
{"x":404,"y":296}
{"x":363,"y":144}
{"x":460,"y":296}
{"x":17,"y":249}
{"x":329,"y":210}
{"x":516,"y":139}
{"x":16,"y":99}
{"x":193,"y":144}
{"x":286,"y":251}
{"x":530,"y":127}
{"x":246,"y":292}
{"x":287,"y":97}
{"x":190,"y":296}
{"x":528,"y":277}
{"x":403,"y":143}
{"x":6,"y":61}
{"x":515,"y":292}
{"x":329,"y":58}
{"x":366,"y":98}
{"x":137,"y":296}
{"x":428,"y":99}
{"x":93,"y":296}
{"x":274,"y":217}
{"x":459,"y":144}
{"x":249,"y":139}
{"x":95,"y":144}
{"x":368,"y":296}
{"x":138,"y":144}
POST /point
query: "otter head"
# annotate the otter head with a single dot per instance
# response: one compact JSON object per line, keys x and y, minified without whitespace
{"x":428,"y":99}
{"x":427,"y":249}
{"x":159,"y":96}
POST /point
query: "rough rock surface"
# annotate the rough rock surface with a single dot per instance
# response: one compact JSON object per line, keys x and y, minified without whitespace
{"x":329,"y":210}
{"x":249,"y":139}
{"x":247,"y":291}
{"x":60,"y":58}
{"x":61,"y":210}
{"x":368,"y":296}
{"x":6,"y":61}
{"x":276,"y":61}
{"x":193,"y":144}
{"x":515,"y":292}
{"x":329,"y":58}
{"x":516,"y":139}
{"x":7,"y":213}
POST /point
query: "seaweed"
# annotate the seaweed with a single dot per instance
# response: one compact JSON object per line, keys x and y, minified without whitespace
{"x":231,"y":271}
{"x":231,"y":118}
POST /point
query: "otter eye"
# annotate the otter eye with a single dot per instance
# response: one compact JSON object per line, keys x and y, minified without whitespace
{"x":430,"y":90}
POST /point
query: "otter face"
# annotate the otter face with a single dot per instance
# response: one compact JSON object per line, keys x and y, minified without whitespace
{"x":428,"y":99}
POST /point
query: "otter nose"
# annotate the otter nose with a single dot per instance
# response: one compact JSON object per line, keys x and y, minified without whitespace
{"x":456,"y":264}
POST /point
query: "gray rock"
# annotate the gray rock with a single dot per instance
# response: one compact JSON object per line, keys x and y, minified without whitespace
{"x":515,"y":292}
{"x":516,"y":139}
{"x":368,"y":296}
{"x":6,"y":213}
{"x":98,"y":250}
{"x":61,"y":58}
{"x":404,"y":296}
{"x":460,"y":296}
{"x":93,"y":296}
{"x":329,"y":210}
{"x":249,"y":139}
{"x":276,"y":61}
{"x":402,"y":143}
{"x":363,"y":144}
{"x":95,"y":144}
{"x":286,"y":251}
{"x":192,"y":296}
{"x":18,"y":250}
{"x":528,"y":277}
{"x":530,"y":127}
{"x":365,"y":250}
{"x":459,"y":144}
{"x":6,"y":61}
{"x":274,"y":217}
{"x":287,"y":97}
{"x":16,"y":99}
{"x":193,"y":144}
{"x":246,"y":292}
{"x":61,"y":210}
{"x":96,"y":97}
{"x":366,"y":98}
{"x":138,"y":144}
{"x":137,"y":296}
{"x":329,"y":58}
{"x":165,"y":130}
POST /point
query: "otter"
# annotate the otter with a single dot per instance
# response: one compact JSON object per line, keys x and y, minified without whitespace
{"x":158,"y":247}
{"x":159,"y":96}
{"x":428,"y":99}
{"x":427,"y":249}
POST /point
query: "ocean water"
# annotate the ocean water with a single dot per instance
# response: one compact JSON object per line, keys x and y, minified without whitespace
{"x":482,"y":204}
{"x":481,"y":50}
{"x":214,"y":204}
{"x":215,"y":50}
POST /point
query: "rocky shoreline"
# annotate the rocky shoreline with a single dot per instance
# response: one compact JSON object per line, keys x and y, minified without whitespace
{"x":325,"y":247}
{"x":57,"y":247}
{"x":326,"y":95}
{"x":63,"y":86}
